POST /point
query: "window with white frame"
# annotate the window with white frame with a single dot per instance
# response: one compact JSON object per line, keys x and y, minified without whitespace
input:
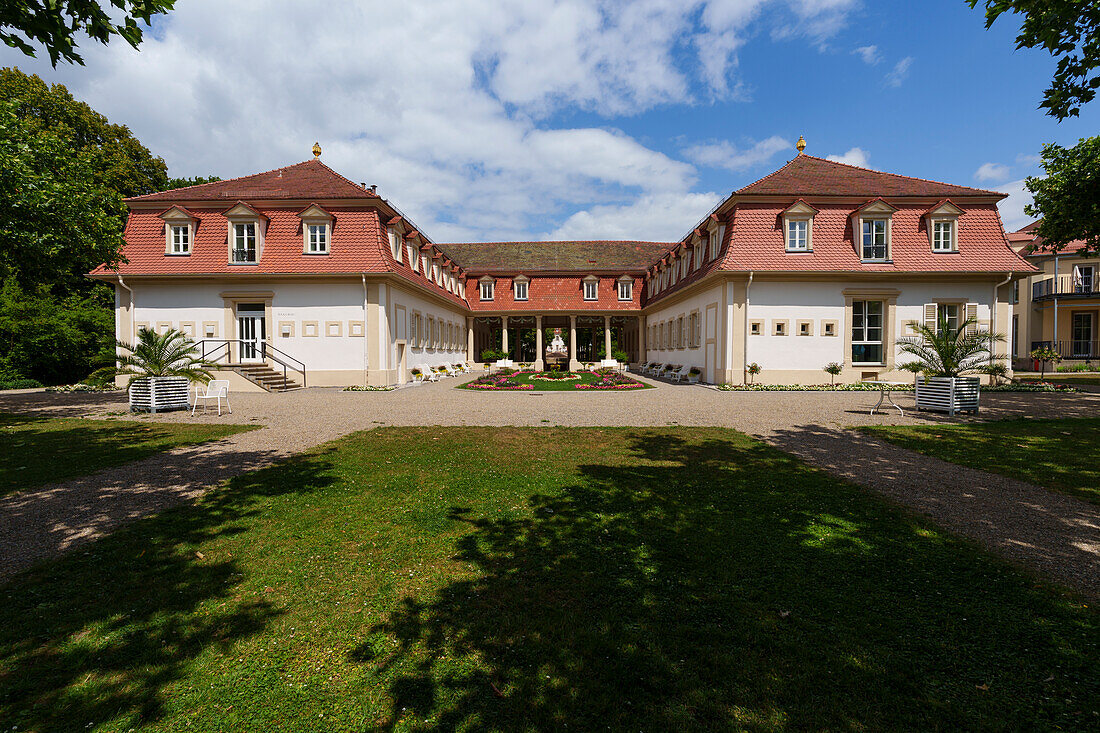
{"x":411,"y":253}
{"x":867,"y":332}
{"x":395,"y":244}
{"x":181,"y":239}
{"x":244,"y":242}
{"x":424,"y":267}
{"x":798,"y":235}
{"x":521,"y":289}
{"x":699,"y":251}
{"x":673,"y":273}
{"x":713,"y":244}
{"x":949,"y":313}
{"x":317,"y":239}
{"x":626,"y":290}
{"x":685,"y":263}
{"x":590,"y":289}
{"x":486,"y":289}
{"x":874,"y":239}
{"x":943,"y":235}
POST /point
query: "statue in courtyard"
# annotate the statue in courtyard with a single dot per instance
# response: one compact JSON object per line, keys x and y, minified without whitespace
{"x":557,"y":345}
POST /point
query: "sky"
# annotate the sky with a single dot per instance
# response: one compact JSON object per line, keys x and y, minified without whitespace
{"x":578,"y":119}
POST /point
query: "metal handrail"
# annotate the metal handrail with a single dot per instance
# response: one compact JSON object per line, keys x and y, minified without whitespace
{"x":210,"y":353}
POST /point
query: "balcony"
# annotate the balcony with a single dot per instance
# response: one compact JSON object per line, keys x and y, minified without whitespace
{"x":1066,"y":286}
{"x":1072,"y":349}
{"x":244,"y":256}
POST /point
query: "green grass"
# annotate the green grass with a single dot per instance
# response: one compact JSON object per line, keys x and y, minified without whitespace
{"x":1060,"y":455}
{"x":542,"y":385}
{"x":36,"y":451}
{"x":1070,"y":379}
{"x":511,"y":579}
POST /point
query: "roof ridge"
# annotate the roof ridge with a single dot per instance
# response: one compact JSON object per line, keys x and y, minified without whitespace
{"x":561,"y":241}
{"x":211,"y":183}
{"x":777,"y":171}
{"x":897,"y":175}
{"x":336,"y":173}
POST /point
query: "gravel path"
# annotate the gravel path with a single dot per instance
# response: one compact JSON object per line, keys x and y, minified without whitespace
{"x":1057,"y":536}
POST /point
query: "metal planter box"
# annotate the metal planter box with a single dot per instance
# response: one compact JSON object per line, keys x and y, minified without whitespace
{"x":159,"y":394}
{"x":948,"y":394}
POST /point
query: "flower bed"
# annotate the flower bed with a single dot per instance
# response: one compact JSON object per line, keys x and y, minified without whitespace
{"x":554,"y":377}
{"x":1031,"y":387}
{"x":612,"y":381}
{"x":565,"y":381}
{"x":368,"y":388}
{"x":64,"y":388}
{"x":872,"y":387}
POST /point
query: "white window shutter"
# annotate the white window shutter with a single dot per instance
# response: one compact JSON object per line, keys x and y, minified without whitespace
{"x":972,"y":313}
{"x":930,"y":316}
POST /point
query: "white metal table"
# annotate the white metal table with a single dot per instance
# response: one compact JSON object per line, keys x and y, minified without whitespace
{"x":885,"y":389}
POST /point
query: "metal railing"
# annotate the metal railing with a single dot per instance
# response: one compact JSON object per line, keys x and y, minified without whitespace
{"x":1065,"y":286}
{"x":1072,"y":349}
{"x":244,"y":255}
{"x":219,"y":351}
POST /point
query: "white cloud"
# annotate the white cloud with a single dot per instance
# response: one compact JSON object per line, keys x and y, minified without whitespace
{"x":992,"y":172}
{"x":1012,"y":208}
{"x":869,"y":55}
{"x":1028,"y":161}
{"x":724,"y":154}
{"x":854,"y":156}
{"x":900,"y":71}
{"x":661,"y":216}
{"x":446,"y":106}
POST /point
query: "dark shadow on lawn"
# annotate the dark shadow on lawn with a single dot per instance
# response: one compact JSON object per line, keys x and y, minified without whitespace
{"x":721,"y":584}
{"x":96,"y":635}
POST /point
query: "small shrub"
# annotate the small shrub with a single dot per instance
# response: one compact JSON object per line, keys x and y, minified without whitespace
{"x":20,"y":384}
{"x":833,"y":369}
{"x":997,"y":371}
{"x":753,"y":369}
{"x":620,"y":356}
{"x":1045,"y":355}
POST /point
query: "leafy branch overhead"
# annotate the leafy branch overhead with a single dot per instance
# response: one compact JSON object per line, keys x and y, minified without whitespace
{"x":1070,"y":31}
{"x":56,"y":24}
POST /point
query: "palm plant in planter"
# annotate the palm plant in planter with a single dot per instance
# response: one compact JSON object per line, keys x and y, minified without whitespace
{"x":945,"y":354}
{"x":161,"y":368}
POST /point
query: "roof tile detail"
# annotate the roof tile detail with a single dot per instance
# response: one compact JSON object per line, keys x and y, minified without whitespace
{"x":311,"y":180}
{"x":575,"y":256}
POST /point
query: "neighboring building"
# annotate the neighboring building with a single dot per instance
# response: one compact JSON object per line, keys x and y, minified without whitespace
{"x":1058,"y":306}
{"x":815,"y":263}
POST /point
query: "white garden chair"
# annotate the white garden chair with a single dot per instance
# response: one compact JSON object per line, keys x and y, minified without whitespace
{"x":680,"y":374}
{"x":428,"y":374}
{"x":215,"y":389}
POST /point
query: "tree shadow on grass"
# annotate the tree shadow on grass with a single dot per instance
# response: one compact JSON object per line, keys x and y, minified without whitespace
{"x":721,"y":584}
{"x":96,"y":635}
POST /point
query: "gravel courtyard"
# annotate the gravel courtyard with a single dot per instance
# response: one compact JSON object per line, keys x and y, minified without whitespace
{"x":1057,"y":536}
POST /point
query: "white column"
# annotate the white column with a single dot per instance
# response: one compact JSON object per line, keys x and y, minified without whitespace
{"x":504,"y":334}
{"x":573,"y":363}
{"x":470,"y":340}
{"x":539,"y":366}
{"x":607,"y":337}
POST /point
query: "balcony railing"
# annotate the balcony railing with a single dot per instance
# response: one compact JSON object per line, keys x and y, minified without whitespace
{"x":1072,"y":349}
{"x":1065,"y":286}
{"x":244,"y":255}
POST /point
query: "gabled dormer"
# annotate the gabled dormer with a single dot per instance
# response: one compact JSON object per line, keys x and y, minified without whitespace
{"x":316,"y":230}
{"x":247,"y":227}
{"x":521,"y":284}
{"x":942,"y":223}
{"x":590,"y":287}
{"x":179,"y":231}
{"x":798,"y":227}
{"x":872,"y":229}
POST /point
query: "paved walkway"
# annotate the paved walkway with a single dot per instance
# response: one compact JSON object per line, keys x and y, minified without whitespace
{"x":1057,"y":536}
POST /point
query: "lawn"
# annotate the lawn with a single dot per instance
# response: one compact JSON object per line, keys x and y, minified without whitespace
{"x":583,"y":381}
{"x":36,"y":451}
{"x":508,"y":579}
{"x":1060,"y":455}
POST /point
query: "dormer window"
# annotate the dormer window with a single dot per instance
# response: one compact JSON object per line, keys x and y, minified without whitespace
{"x":798,"y":225}
{"x":486,"y":288}
{"x":246,"y":234}
{"x":519,"y":286}
{"x":244,"y":242}
{"x":591,"y":291}
{"x":943,"y":227}
{"x":317,"y":239}
{"x":714,"y":243}
{"x":181,"y":239}
{"x":395,"y":243}
{"x":626,"y":288}
{"x":179,"y":230}
{"x":874,"y":224}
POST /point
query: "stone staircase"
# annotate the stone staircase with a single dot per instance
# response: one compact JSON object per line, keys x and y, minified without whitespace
{"x":266,"y":377}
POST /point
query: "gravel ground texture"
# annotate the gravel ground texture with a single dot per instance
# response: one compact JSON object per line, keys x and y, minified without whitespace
{"x":1058,"y":537}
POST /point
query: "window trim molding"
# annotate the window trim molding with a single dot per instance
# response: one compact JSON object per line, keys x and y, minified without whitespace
{"x":595,"y":282}
{"x":889,"y":298}
{"x":629,"y":282}
{"x":242,"y":213}
{"x":799,"y":211}
{"x":516,"y":282}
{"x":481,"y":283}
{"x":177,"y":216}
{"x":876,"y":210}
{"x":945,"y":211}
{"x":315,"y":215}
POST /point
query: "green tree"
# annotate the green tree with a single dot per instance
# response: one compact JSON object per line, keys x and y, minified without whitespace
{"x":119,"y":161}
{"x":193,"y":181}
{"x":1070,"y":31}
{"x":1068,"y":196}
{"x":55,"y":24}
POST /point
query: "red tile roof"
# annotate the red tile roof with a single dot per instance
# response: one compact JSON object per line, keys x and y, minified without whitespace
{"x":1035,"y":246}
{"x":310,"y":180}
{"x":806,"y":175}
{"x":755,"y":242}
{"x":570,"y":256}
{"x":553,"y":293}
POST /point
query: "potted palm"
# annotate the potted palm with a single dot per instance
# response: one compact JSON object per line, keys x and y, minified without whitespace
{"x":945,"y":355}
{"x":161,"y":368}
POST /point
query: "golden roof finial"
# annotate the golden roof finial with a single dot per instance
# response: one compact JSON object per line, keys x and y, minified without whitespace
{"x":316,"y":150}
{"x":801,"y":144}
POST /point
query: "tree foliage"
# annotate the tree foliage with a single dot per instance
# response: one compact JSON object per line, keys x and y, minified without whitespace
{"x":1070,"y":31}
{"x":1068,"y":196}
{"x":55,"y":24}
{"x":193,"y":181}
{"x":119,"y":161}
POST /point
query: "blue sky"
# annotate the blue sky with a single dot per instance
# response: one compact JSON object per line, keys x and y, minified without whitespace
{"x":576,"y":118}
